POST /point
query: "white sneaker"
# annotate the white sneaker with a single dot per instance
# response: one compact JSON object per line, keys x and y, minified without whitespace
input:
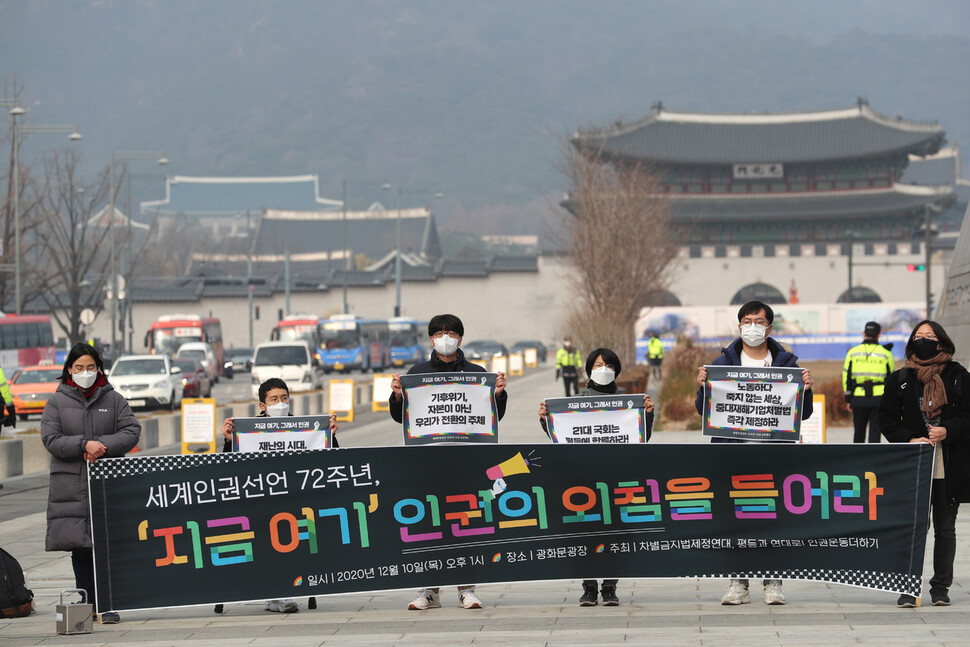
{"x":427,"y":599}
{"x":737,"y":593}
{"x":468,"y":600}
{"x":282,"y":606}
{"x":773,"y":594}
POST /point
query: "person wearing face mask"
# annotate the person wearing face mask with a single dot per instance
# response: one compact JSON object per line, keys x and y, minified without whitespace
{"x":927,"y":401}
{"x":84,"y":420}
{"x":754,"y":347}
{"x":446,"y":332}
{"x":603,"y":367}
{"x":274,"y":401}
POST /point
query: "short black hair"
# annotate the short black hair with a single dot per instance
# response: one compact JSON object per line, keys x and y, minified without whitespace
{"x":752,"y":307}
{"x":77,"y":352}
{"x":451,"y":323}
{"x":608,"y":356}
{"x":268,"y":385}
{"x":946,"y":344}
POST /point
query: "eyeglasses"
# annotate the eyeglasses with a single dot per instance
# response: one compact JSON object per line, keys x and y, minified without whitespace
{"x":443,"y":333}
{"x":930,"y":336}
{"x":760,"y":322}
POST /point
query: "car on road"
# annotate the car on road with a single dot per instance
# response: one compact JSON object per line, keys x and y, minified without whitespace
{"x":541,"y":351}
{"x":196,"y":382}
{"x":203,"y":352}
{"x":484,"y":349}
{"x":147,"y":381}
{"x":31,"y":387}
{"x":290,"y":360}
{"x":240,"y":358}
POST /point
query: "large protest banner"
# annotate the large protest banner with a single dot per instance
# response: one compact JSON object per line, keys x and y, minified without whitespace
{"x":268,"y":434}
{"x":449,"y":407}
{"x":616,"y":418}
{"x":200,"y":529}
{"x":753,"y":403}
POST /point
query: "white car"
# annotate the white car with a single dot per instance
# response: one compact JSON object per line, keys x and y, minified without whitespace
{"x":290,"y":360}
{"x":201,"y":351}
{"x":147,"y":381}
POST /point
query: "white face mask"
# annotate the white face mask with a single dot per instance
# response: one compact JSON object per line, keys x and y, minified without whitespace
{"x":603,"y":375}
{"x":445,"y":345}
{"x":85,"y":379}
{"x":277,"y":410}
{"x":753,"y":334}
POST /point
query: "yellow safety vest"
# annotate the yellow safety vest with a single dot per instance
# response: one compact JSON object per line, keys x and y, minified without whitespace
{"x":5,"y":389}
{"x":565,"y":358}
{"x":865,"y":369}
{"x":655,"y":348}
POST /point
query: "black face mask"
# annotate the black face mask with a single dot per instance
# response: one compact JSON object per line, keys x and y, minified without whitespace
{"x":925,"y":349}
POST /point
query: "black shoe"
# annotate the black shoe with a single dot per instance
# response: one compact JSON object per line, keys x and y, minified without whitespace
{"x":311,"y":603}
{"x":609,"y":596}
{"x":940,"y":599}
{"x":906,"y":602}
{"x":219,"y":609}
{"x":589,"y":598}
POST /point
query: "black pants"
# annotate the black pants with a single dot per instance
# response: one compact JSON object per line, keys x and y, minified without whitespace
{"x":83,"y":561}
{"x":862,"y":416}
{"x":571,"y":378}
{"x":944,"y":516}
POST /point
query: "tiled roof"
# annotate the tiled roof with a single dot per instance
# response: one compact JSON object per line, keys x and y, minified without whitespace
{"x":231,"y":195}
{"x":518,"y":263}
{"x":455,"y":267}
{"x":695,"y":138}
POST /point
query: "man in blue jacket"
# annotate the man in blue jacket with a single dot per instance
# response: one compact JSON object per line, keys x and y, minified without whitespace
{"x":754,"y":348}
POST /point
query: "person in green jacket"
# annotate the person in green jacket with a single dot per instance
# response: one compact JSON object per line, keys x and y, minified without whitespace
{"x":655,"y":355}
{"x":864,"y":373}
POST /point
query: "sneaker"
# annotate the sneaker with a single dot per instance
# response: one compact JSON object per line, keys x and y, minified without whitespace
{"x":940,"y":599}
{"x":282,"y":606}
{"x":737,"y":593}
{"x":109,"y":618}
{"x":468,"y":600}
{"x":609,"y":596}
{"x":906,"y":602}
{"x":773,"y":594}
{"x":219,"y":609}
{"x":427,"y":599}
{"x":589,"y":598}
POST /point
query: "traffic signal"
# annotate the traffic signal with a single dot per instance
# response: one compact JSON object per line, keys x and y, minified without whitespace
{"x":256,"y":312}
{"x":913,"y":267}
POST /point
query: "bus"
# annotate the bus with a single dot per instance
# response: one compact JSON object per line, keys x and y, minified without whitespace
{"x":351,"y":342}
{"x":25,"y":340}
{"x":409,"y":340}
{"x":299,"y":327}
{"x":171,"y":331}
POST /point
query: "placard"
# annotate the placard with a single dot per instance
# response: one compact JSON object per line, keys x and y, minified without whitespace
{"x":500,"y":364}
{"x":381,"y":392}
{"x":342,"y":399}
{"x":516,"y":364}
{"x":760,"y":403}
{"x":198,"y":425}
{"x":449,"y":407}
{"x":531,"y":357}
{"x":610,"y":419}
{"x":815,"y":426}
{"x":281,"y":433}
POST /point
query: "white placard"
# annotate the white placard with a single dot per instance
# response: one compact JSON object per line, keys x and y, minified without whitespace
{"x":198,"y":423}
{"x":341,"y":395}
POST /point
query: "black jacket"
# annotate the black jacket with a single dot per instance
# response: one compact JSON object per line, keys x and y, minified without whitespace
{"x":435,"y":365}
{"x":900,"y":419}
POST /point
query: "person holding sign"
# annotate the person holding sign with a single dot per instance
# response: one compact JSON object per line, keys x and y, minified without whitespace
{"x":927,"y":401}
{"x":446,"y":332}
{"x":754,"y":348}
{"x":274,"y":401}
{"x":603,"y":367}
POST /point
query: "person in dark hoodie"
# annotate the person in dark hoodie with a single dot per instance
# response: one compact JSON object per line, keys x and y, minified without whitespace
{"x":84,"y":420}
{"x":603,"y":367}
{"x":754,"y":347}
{"x":446,"y":332}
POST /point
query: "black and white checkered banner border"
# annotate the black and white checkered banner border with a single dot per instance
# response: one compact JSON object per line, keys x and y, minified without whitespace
{"x":866,"y":579}
{"x":116,"y":467}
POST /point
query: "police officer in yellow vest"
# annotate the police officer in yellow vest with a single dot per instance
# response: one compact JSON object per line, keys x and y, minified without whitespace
{"x":655,"y":355}
{"x":863,"y":373}
{"x":568,"y":361}
{"x":10,"y":420}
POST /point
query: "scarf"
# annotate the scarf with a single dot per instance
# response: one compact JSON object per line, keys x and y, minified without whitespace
{"x":100,"y":380}
{"x":928,"y":373}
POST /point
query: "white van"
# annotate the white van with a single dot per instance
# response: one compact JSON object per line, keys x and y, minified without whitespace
{"x":290,"y":360}
{"x":201,"y":351}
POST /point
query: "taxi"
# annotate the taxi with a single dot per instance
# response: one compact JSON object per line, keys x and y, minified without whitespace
{"x":31,"y":387}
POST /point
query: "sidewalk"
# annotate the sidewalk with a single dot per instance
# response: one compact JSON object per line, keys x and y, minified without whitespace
{"x":651,"y":611}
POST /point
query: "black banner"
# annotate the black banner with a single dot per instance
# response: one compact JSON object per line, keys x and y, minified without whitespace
{"x":182,"y":530}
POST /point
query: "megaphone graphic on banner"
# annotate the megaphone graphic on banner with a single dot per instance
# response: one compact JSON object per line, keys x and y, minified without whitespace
{"x":515,"y":465}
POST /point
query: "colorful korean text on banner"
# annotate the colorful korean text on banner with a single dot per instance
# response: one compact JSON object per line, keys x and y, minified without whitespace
{"x":232,"y":527}
{"x":449,"y":407}
{"x":753,"y":403}
{"x":271,"y":434}
{"x":616,"y":418}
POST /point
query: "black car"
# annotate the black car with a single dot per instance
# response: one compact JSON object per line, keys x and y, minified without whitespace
{"x":541,"y":351}
{"x":240,"y":358}
{"x":484,"y":349}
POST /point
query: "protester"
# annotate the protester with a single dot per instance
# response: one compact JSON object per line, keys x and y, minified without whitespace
{"x":446,"y":332}
{"x":864,"y":372}
{"x":603,"y":367}
{"x":754,"y":348}
{"x":274,"y":401}
{"x":84,"y":420}
{"x":927,"y":401}
{"x":568,"y":361}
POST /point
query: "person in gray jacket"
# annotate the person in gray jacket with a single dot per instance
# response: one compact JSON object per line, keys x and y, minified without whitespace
{"x":83,"y":421}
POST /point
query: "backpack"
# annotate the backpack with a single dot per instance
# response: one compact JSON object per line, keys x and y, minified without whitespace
{"x":16,"y":600}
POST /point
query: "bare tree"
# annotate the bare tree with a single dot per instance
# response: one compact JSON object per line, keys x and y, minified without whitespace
{"x":620,"y":243}
{"x":73,"y":269}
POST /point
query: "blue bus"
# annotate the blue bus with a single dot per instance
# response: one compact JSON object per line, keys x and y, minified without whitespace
{"x":349,"y":342}
{"x":409,"y":340}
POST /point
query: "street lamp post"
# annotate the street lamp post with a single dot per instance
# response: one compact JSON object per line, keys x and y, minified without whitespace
{"x":385,"y":186}
{"x":73,"y":135}
{"x":852,"y":237}
{"x":397,"y":261}
{"x":116,"y":155}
